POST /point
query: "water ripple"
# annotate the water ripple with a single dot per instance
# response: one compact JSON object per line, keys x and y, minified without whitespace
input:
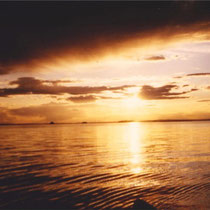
{"x":105,"y":167}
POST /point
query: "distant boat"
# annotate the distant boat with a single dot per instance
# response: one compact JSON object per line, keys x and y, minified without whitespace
{"x":52,"y":122}
{"x":84,"y":122}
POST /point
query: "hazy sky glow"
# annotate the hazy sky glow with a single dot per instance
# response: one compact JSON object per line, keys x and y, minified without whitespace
{"x":104,"y":61}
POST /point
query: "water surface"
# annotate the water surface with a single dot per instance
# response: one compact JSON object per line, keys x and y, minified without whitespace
{"x":106,"y":165}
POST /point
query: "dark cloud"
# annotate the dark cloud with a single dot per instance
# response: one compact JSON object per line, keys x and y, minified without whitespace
{"x":198,"y":74}
{"x":194,"y":89}
{"x":193,"y":75}
{"x":31,"y":85}
{"x":83,"y":99}
{"x":33,"y":32}
{"x":155,"y":58}
{"x":164,"y":92}
{"x":89,"y":98}
{"x":204,"y":100}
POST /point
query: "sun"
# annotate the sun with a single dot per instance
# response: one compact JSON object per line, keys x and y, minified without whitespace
{"x":133,"y":102}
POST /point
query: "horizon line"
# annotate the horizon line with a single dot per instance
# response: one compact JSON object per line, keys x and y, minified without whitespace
{"x":120,"y":121}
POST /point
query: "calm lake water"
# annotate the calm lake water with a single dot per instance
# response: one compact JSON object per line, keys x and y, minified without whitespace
{"x":106,"y":165}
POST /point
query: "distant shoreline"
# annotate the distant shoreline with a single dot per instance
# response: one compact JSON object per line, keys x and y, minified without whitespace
{"x":122,"y":121}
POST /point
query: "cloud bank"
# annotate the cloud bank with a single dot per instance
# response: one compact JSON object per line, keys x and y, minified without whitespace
{"x":40,"y":114}
{"x":35,"y":33}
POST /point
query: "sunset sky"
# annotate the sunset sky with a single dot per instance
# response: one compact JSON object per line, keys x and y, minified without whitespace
{"x":104,"y":61}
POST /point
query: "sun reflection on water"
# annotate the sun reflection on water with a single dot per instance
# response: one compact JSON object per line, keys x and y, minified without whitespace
{"x":135,"y":134}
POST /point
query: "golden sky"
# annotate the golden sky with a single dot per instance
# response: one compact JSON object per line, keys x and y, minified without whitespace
{"x":104,"y":61}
